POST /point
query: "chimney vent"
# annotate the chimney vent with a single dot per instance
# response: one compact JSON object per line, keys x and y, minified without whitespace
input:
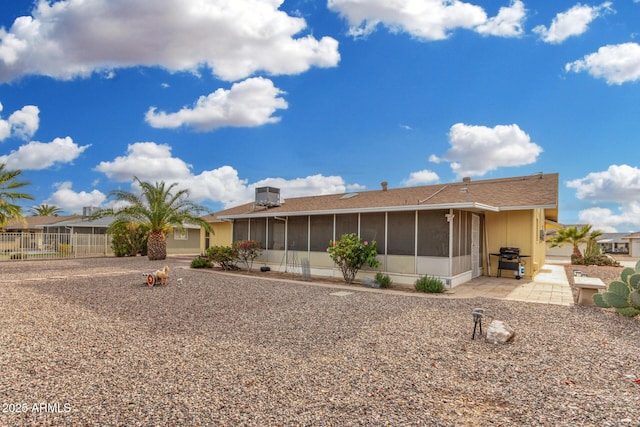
{"x":384,"y":185}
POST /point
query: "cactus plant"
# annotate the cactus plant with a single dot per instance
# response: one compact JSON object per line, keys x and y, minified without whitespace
{"x":622,"y":295}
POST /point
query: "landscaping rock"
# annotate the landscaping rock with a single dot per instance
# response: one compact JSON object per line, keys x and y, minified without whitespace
{"x":499,"y":332}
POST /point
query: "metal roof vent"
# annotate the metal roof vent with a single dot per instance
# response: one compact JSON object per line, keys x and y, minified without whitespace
{"x":268,"y":196}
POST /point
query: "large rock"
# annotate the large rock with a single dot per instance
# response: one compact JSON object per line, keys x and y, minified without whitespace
{"x":499,"y":332}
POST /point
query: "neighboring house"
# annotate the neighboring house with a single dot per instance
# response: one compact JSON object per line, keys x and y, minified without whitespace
{"x":28,"y":234}
{"x":451,"y":231}
{"x":613,"y":243}
{"x":634,"y":244}
{"x":186,"y":241}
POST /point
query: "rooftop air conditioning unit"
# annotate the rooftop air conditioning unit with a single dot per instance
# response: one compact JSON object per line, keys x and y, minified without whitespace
{"x":268,"y":196}
{"x":87,"y":211}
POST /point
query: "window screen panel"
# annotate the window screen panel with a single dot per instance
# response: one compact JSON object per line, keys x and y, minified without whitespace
{"x":240,"y":229}
{"x":433,"y":233}
{"x":402,"y":233}
{"x":258,"y":230}
{"x":372,"y":229}
{"x":276,"y":234}
{"x":346,"y":224}
{"x":321,"y":232}
{"x":298,"y":233}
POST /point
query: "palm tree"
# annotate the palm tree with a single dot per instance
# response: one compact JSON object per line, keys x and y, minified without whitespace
{"x":8,"y":185}
{"x":575,"y":237}
{"x":160,"y":209}
{"x":45,"y":210}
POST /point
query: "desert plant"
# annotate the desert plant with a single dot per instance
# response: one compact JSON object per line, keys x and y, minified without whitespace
{"x":429,"y":284}
{"x":247,"y":251}
{"x":8,"y":194}
{"x":575,"y":237}
{"x":223,"y":256}
{"x":599,"y":260}
{"x":201,"y":263}
{"x":622,"y":295}
{"x":129,"y":238}
{"x":383,"y":280}
{"x":64,"y":249}
{"x":158,"y":206}
{"x":351,"y":253}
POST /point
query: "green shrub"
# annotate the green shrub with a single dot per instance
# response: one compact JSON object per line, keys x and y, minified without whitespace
{"x":223,"y":256}
{"x":599,"y":260}
{"x":129,"y":239}
{"x":201,"y":263}
{"x":351,"y":253}
{"x":247,"y":251}
{"x":64,"y":249}
{"x":383,"y":280}
{"x":432,"y":285}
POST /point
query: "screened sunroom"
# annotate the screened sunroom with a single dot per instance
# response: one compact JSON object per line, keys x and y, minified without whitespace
{"x":439,"y":242}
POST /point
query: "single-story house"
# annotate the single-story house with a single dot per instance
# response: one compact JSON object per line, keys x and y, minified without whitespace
{"x":613,"y":243}
{"x":28,"y":233}
{"x":185,"y":241}
{"x":454,"y":231}
{"x":634,"y":244}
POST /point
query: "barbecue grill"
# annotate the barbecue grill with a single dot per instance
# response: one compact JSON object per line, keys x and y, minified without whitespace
{"x":509,"y":258}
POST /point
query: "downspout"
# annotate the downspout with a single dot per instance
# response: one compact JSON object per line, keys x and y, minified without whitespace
{"x":451,"y":217}
{"x":415,"y":244}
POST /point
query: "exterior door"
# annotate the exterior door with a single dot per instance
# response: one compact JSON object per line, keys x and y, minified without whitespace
{"x":475,"y":245}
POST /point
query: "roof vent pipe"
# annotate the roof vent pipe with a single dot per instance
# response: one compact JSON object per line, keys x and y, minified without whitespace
{"x":384,"y":185}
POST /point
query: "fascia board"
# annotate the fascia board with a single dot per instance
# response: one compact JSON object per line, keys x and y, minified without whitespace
{"x":466,"y":205}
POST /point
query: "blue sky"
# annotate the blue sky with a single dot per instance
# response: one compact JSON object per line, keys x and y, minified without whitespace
{"x":319,"y":97}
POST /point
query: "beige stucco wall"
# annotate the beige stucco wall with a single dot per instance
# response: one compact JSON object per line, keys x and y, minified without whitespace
{"x":221,"y":236}
{"x":519,"y":229}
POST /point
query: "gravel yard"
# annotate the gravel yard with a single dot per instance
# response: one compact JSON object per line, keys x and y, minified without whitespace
{"x":86,"y":342}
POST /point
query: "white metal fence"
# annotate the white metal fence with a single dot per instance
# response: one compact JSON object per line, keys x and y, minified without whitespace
{"x":26,"y":245}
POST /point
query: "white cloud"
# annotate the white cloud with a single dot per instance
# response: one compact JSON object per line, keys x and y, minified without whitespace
{"x":234,"y":38}
{"x":617,"y":64}
{"x":620,"y":185}
{"x":249,"y":103}
{"x":148,"y":161}
{"x":71,"y":201}
{"x":573,"y":22}
{"x":21,"y":124}
{"x":626,"y":218}
{"x":153,"y":162}
{"x":428,"y":19}
{"x":42,"y":155}
{"x":25,"y":122}
{"x":508,"y":22}
{"x":476,"y":150}
{"x":421,"y":177}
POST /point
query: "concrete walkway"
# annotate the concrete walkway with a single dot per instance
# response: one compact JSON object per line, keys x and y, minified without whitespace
{"x":550,"y":286}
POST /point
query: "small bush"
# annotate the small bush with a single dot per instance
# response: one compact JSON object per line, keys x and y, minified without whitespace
{"x":351,"y":253}
{"x":201,"y":263}
{"x":64,"y":249}
{"x":428,"y":284}
{"x":599,"y":260}
{"x":247,"y":251}
{"x":224,"y":256}
{"x":383,"y":280}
